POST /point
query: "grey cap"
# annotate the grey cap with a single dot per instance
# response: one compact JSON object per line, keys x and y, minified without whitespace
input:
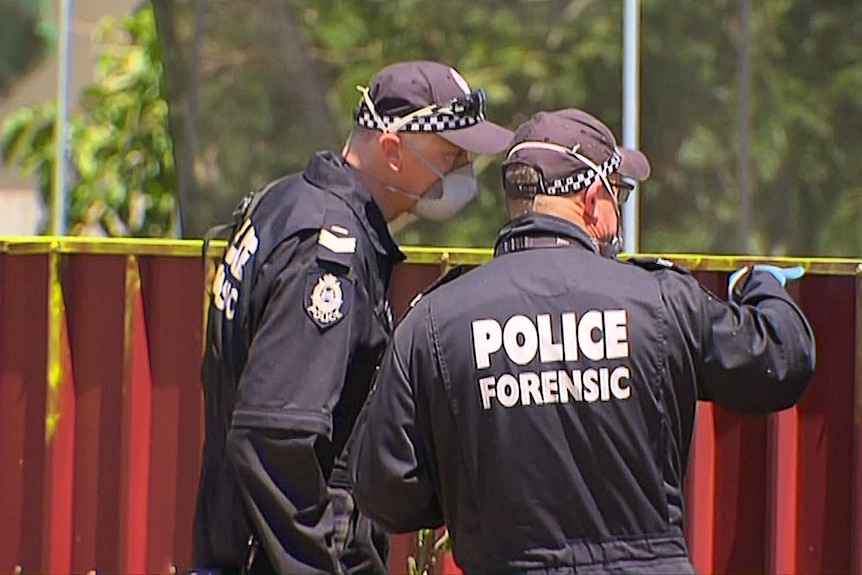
{"x":403,"y":88}
{"x":572,"y":128}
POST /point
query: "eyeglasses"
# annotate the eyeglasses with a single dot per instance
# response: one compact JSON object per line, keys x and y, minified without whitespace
{"x":623,"y":189}
{"x":461,"y":112}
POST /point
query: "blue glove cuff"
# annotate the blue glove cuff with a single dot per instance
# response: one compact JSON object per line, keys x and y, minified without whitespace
{"x":781,"y":274}
{"x":734,"y":279}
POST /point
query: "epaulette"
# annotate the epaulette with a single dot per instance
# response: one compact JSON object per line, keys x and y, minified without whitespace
{"x":337,"y":237}
{"x":657,"y":264}
{"x":449,"y":276}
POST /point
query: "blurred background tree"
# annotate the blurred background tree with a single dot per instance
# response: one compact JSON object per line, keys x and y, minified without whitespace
{"x":256,"y":87}
{"x":121,"y":157}
{"x":256,"y":78}
{"x":248,"y":103}
{"x":24,"y":38}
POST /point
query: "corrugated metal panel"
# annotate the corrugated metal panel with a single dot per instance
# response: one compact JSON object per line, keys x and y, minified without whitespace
{"x":101,"y":422}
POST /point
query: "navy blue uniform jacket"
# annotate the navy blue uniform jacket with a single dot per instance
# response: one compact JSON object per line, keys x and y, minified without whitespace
{"x":299,"y":318}
{"x":542,"y":405}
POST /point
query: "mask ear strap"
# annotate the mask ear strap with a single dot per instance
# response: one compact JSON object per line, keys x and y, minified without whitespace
{"x":615,"y":244}
{"x":439,"y":173}
{"x":346,"y":147}
{"x":602,"y":176}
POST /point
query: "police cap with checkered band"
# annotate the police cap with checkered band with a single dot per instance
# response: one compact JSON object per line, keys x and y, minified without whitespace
{"x":429,"y":97}
{"x":581,"y":134}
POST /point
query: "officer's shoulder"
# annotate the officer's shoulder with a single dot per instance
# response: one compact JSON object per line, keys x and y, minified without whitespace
{"x":299,"y":209}
{"x":656,"y":265}
{"x":341,"y":237}
{"x":299,"y":227}
{"x":283,"y":208}
{"x":674,"y":280}
{"x":451,"y":275}
{"x":271,"y":197}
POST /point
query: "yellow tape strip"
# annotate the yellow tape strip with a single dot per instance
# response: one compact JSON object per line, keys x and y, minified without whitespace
{"x":443,"y":256}
{"x":56,"y":317}
{"x":133,"y":287}
{"x":101,"y":246}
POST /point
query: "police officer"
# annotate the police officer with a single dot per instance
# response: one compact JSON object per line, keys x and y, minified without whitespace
{"x":299,"y":317}
{"x":542,"y":405}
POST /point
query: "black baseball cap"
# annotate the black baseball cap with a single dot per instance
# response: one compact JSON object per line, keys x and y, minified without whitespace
{"x":575,"y":130}
{"x":445,"y":103}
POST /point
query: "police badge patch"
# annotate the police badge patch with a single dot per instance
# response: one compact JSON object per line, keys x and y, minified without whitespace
{"x":327,"y":298}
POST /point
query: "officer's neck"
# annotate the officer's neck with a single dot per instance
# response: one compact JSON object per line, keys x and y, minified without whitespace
{"x":565,"y":207}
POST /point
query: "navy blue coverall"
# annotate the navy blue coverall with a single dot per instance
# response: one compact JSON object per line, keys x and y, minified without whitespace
{"x":542,"y":405}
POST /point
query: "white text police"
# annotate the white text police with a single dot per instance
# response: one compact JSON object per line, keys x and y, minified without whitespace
{"x":593,"y":337}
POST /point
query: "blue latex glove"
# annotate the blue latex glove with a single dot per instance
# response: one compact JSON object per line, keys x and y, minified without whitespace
{"x":781,"y":274}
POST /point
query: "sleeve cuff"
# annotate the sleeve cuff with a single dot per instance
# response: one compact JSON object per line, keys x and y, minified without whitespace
{"x":316,"y":422}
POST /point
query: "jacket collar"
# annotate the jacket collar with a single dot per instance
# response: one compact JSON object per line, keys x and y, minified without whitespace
{"x":332,"y":173}
{"x":545,"y":226}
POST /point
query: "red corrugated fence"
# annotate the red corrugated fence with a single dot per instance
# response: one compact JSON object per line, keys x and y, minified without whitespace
{"x":101,"y":418}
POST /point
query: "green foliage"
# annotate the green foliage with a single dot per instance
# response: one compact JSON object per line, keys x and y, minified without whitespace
{"x":807,"y":124}
{"x":547,"y":54}
{"x":247,"y":103}
{"x":121,"y":157}
{"x":257,"y":107}
{"x":543,"y":54}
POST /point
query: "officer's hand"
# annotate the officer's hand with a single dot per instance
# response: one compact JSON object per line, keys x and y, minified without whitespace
{"x":781,"y":274}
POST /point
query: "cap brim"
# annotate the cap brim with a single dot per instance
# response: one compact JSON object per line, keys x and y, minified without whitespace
{"x":634,"y":165}
{"x":483,"y":138}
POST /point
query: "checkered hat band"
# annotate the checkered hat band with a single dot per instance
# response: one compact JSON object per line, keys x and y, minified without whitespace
{"x":583,"y":180}
{"x":437,"y":122}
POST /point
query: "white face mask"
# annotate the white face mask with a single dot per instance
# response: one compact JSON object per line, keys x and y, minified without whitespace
{"x":444,"y":199}
{"x":449,"y":195}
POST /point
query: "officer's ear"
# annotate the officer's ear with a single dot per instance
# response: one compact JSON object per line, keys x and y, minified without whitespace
{"x":592,"y":195}
{"x":392,"y":149}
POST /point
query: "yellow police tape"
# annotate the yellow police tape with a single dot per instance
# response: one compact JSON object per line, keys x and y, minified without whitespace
{"x":445,"y":256}
{"x":56,"y":317}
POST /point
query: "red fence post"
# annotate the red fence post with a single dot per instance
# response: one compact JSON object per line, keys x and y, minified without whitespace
{"x":60,"y":429}
{"x":23,"y":402}
{"x":95,"y":290}
{"x":137,"y":427}
{"x":173,"y":300}
{"x":824,"y":474}
{"x":856,"y":481}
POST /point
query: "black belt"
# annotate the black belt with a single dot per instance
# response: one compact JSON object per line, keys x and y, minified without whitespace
{"x":519,"y":243}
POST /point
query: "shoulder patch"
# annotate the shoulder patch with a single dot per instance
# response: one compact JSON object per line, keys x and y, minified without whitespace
{"x":337,"y":239}
{"x":656,"y":264}
{"x":449,"y":276}
{"x":328,"y":298}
